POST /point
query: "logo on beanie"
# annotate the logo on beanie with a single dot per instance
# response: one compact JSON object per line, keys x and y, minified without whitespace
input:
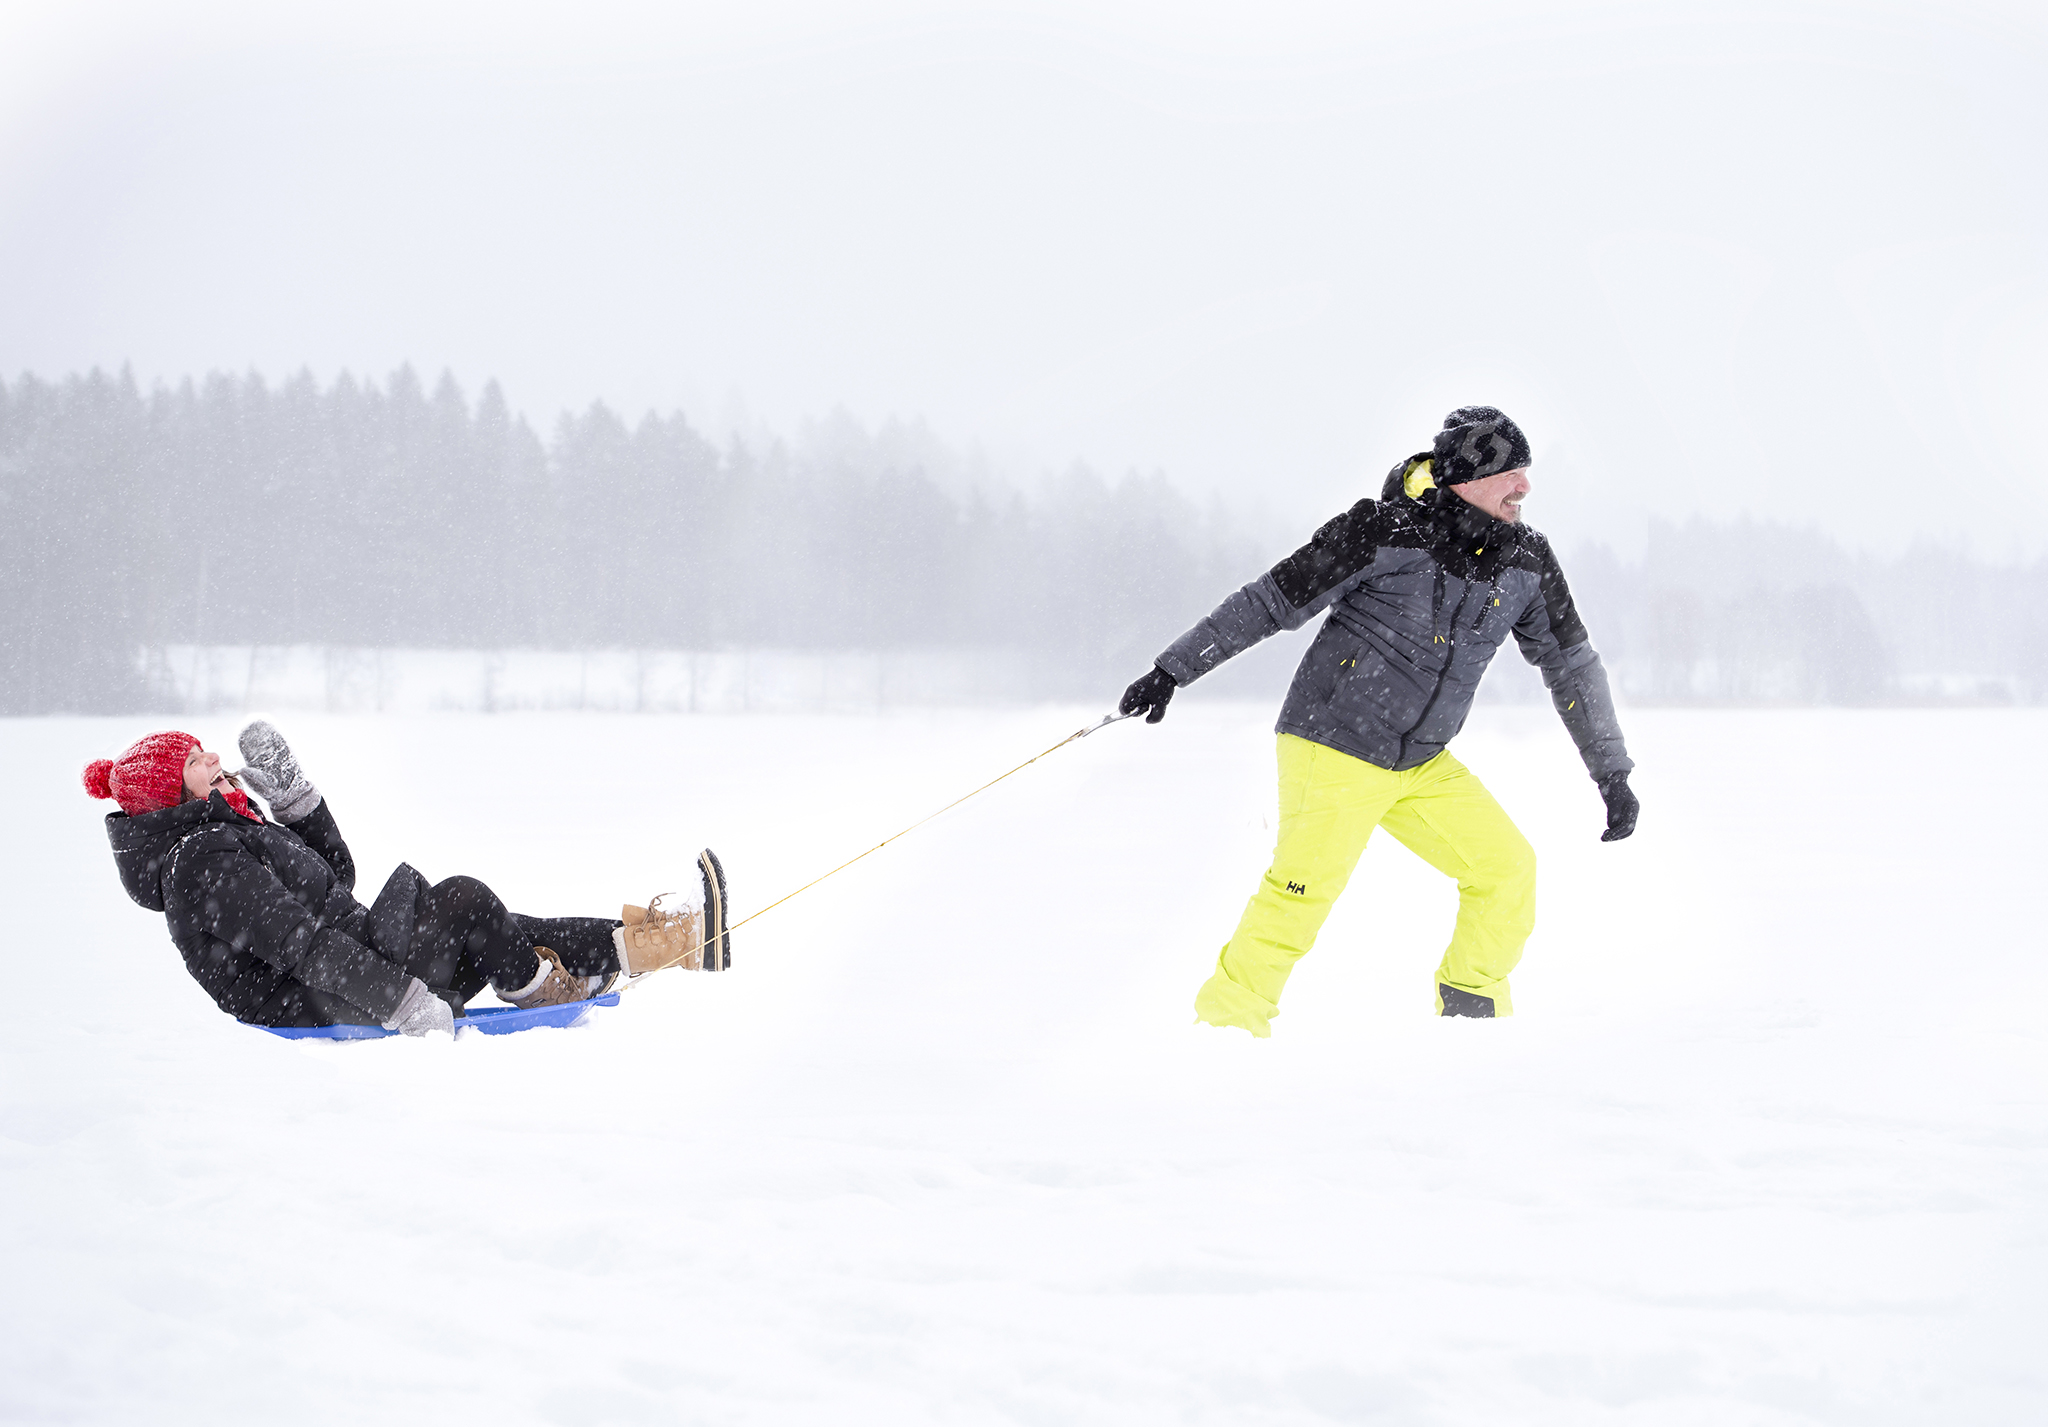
{"x":1498,"y":447}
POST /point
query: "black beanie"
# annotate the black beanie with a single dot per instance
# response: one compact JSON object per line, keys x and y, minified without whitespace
{"x":1477,"y":441}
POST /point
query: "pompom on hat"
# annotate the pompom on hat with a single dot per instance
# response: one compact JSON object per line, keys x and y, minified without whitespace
{"x":150,"y":775}
{"x":1476,"y":442}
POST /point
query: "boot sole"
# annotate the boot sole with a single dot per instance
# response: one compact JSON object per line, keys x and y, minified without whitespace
{"x":717,"y":940}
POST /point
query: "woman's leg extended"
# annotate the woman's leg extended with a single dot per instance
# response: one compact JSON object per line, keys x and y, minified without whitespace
{"x":1450,"y":821}
{"x":464,"y":936}
{"x":584,"y":943}
{"x":1329,"y":804}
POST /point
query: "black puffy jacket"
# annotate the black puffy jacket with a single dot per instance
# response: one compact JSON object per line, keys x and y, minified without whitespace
{"x":258,"y":910}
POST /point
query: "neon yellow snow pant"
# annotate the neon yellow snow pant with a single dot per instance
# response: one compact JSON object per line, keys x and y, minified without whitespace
{"x":1329,"y":804}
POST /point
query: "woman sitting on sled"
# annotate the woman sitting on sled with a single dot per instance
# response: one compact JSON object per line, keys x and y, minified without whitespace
{"x":264,"y":912}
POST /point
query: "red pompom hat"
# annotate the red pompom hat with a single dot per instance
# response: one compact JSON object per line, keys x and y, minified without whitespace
{"x":151,"y":775}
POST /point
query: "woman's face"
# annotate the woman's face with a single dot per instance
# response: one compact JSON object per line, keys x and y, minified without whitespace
{"x":203,"y":774}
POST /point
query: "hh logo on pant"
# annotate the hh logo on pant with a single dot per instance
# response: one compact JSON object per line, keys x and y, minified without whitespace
{"x":1297,"y":889}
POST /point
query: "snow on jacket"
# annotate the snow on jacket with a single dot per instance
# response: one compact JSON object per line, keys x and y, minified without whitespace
{"x":1421,"y":590}
{"x":254,"y":907}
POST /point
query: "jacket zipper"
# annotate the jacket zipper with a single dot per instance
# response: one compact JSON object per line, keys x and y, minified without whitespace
{"x":1401,"y":749}
{"x":1487,"y":596}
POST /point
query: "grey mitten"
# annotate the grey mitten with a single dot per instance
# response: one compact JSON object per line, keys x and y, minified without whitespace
{"x":420,"y":1011}
{"x":273,"y":773}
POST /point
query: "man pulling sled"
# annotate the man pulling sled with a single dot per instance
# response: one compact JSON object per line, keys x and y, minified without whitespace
{"x":1422,"y":586}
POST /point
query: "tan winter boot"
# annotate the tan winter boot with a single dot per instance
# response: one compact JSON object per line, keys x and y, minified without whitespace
{"x":551,"y":985}
{"x":654,"y":938}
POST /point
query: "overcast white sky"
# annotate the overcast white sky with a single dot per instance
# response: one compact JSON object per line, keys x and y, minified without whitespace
{"x":1785,"y":259}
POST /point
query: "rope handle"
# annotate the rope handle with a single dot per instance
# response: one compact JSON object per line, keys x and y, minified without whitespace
{"x":1075,"y":736}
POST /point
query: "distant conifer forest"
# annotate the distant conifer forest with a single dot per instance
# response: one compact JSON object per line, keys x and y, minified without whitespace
{"x":231,"y":512}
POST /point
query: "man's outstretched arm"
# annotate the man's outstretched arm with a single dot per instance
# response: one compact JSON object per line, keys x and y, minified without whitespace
{"x":1553,"y":638}
{"x":1286,"y":597}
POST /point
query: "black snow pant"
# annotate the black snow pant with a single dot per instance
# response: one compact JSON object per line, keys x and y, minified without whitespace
{"x":463,"y":938}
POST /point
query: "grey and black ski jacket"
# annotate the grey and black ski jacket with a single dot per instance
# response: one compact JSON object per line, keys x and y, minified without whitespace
{"x":1420,"y":591}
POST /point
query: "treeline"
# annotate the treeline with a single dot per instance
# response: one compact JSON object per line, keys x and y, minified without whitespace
{"x":231,"y":511}
{"x":1753,"y":612}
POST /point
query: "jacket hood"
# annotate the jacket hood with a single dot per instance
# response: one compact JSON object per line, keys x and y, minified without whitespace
{"x":1409,"y":479}
{"x":143,"y":844}
{"x":1411,"y":483}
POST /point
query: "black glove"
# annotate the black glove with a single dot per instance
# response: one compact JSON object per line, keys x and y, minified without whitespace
{"x":1150,"y":692}
{"x":1622,"y":806}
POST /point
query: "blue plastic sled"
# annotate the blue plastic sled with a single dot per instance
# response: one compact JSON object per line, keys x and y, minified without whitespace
{"x":491,"y":1020}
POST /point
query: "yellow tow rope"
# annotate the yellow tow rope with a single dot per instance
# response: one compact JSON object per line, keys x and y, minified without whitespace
{"x":1077,"y":734}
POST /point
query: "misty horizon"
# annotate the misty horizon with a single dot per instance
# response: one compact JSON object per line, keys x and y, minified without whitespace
{"x":1782,"y":264}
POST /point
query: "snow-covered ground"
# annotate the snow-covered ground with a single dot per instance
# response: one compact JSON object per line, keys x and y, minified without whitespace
{"x":1766,"y":1143}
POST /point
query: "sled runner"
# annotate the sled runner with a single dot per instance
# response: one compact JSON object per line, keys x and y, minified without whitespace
{"x":491,"y":1020}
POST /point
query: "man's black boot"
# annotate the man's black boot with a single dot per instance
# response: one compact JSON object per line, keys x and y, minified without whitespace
{"x":1464,"y":1003}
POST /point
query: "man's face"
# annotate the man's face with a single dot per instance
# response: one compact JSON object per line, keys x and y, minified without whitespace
{"x":1500,"y":496}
